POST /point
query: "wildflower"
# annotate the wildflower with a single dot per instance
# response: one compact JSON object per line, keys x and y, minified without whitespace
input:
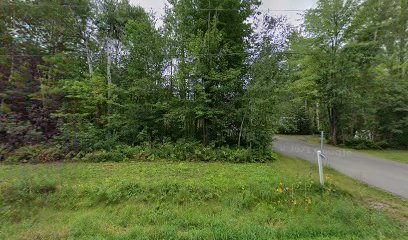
{"x":294,"y":201}
{"x":280,"y":183}
{"x":279,"y":190}
{"x":309,"y":201}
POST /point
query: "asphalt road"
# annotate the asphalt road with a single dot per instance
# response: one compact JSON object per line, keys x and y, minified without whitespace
{"x":385,"y":174}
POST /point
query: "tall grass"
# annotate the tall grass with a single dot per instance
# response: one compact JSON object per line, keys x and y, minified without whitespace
{"x":180,"y":201}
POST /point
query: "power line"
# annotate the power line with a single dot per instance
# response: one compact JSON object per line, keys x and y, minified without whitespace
{"x":168,"y":55}
{"x":186,"y":55}
{"x":184,"y":9}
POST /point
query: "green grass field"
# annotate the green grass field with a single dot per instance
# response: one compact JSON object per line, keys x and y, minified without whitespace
{"x":168,"y":200}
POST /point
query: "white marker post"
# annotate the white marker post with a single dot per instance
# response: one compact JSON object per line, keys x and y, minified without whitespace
{"x":320,"y":164}
{"x":321,"y":140}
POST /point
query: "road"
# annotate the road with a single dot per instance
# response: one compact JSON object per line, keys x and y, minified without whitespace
{"x":385,"y":174}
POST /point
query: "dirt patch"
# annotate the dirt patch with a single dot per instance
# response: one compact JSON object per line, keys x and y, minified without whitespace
{"x":389,"y":209}
{"x":378,"y":205}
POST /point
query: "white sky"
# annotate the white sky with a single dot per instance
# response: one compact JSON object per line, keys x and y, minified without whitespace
{"x":293,"y":17}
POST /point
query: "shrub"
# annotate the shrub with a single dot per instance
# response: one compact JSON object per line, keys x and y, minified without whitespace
{"x":104,"y":156}
{"x":365,"y":144}
{"x":179,"y":151}
{"x":16,"y":132}
{"x":118,"y":154}
{"x":151,"y":151}
{"x":38,"y":153}
{"x":3,"y":151}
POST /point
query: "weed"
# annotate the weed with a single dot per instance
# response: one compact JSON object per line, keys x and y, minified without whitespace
{"x":185,"y":200}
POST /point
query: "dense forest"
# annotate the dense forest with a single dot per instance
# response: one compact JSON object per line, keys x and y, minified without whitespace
{"x":101,"y":80}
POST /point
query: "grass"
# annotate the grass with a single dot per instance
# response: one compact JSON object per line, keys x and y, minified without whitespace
{"x":310,"y":138}
{"x":167,"y":200}
{"x":390,"y":154}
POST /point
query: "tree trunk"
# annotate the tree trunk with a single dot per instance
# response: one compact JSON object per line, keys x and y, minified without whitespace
{"x":317,"y":117}
{"x":240,"y":131}
{"x":333,"y":117}
{"x":108,"y":67}
{"x":205,"y":132}
{"x":403,"y":35}
{"x":10,"y":78}
{"x":89,"y":58}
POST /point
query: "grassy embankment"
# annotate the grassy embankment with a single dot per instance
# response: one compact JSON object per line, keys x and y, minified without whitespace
{"x":168,"y":200}
{"x":390,"y":154}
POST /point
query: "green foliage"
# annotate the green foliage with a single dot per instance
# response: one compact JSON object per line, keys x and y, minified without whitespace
{"x":98,"y":75}
{"x":263,"y":100}
{"x":118,"y":154}
{"x":210,"y":77}
{"x":351,"y":71}
{"x":365,"y":144}
{"x":179,"y":151}
{"x":15,"y":132}
{"x":39,"y":153}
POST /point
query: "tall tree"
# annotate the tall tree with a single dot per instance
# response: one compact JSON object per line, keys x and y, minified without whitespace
{"x":268,"y":79}
{"x":211,"y":38}
{"x":329,"y":27}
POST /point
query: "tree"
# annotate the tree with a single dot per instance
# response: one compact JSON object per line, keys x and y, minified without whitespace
{"x":329,"y":27}
{"x":211,"y":65}
{"x":268,"y":80}
{"x":385,"y":24}
{"x":38,"y":38}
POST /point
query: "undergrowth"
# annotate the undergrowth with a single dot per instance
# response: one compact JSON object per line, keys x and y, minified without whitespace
{"x":149,"y":151}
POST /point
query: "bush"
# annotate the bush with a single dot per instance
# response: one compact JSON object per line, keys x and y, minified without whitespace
{"x":179,"y":151}
{"x":3,"y":152}
{"x":118,"y":154}
{"x":365,"y":144}
{"x":103,"y":156}
{"x":38,"y":153}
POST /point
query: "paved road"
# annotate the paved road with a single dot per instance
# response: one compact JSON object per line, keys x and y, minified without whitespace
{"x":385,"y":174}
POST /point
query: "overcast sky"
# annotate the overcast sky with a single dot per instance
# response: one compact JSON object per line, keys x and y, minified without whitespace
{"x":158,"y":5}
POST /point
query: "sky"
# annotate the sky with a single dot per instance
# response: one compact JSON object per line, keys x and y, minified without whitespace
{"x":293,"y":17}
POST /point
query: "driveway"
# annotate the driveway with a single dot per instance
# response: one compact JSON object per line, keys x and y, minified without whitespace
{"x":385,"y":174}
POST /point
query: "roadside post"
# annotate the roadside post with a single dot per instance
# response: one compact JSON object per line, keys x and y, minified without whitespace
{"x":321,"y":147}
{"x":321,"y":140}
{"x":320,"y":164}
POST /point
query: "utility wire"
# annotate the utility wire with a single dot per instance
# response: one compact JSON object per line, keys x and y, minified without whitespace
{"x":185,"y":9}
{"x":169,"y":55}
